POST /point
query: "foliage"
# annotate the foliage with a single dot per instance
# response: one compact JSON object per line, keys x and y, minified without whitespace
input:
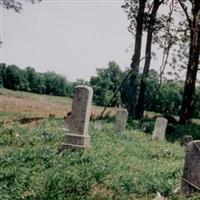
{"x":16,"y":5}
{"x":111,"y":169}
{"x":36,"y":81}
{"x":12,"y":77}
{"x":16,"y":78}
{"x":2,"y":73}
{"x":106,"y":83}
{"x":55,"y":84}
{"x":168,"y":99}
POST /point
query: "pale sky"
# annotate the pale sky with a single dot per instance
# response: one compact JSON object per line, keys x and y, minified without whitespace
{"x":72,"y":38}
{"x":69,"y":37}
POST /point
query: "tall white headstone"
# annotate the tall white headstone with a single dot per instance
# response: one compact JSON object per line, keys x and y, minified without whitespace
{"x":77,"y":124}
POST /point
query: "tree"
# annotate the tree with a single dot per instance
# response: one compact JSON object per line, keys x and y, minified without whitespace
{"x":193,"y":19}
{"x":32,"y":78}
{"x":192,"y":67}
{"x":197,"y":103}
{"x":55,"y":84}
{"x":106,"y":83}
{"x":2,"y":74}
{"x":151,"y":28}
{"x":136,"y":12}
{"x":36,"y":80}
{"x":40,"y":87}
{"x":168,"y":99}
{"x":16,"y":79}
{"x":15,"y":5}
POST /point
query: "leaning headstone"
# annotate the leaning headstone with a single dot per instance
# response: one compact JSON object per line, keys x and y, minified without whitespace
{"x":191,"y":175}
{"x":159,"y":129}
{"x":186,"y":139}
{"x":97,"y":125}
{"x":121,"y":119}
{"x":77,"y":123}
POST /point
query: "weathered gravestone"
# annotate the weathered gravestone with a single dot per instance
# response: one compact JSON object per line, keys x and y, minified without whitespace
{"x":191,"y":171}
{"x":76,"y":127}
{"x":121,"y":119}
{"x":159,"y":129}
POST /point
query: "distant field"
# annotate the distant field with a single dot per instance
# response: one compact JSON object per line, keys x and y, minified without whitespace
{"x":30,"y":104}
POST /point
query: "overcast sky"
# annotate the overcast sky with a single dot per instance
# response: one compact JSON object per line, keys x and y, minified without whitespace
{"x":72,"y":38}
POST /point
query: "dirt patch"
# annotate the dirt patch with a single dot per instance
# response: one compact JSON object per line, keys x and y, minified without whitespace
{"x":101,"y":191}
{"x":30,"y":120}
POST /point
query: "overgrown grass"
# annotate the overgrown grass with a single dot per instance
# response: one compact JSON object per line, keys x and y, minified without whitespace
{"x":34,"y":96}
{"x":128,"y":166}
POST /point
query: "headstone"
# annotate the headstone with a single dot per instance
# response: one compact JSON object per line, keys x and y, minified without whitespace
{"x":191,"y":175}
{"x":97,"y":125}
{"x":186,"y":139}
{"x":121,"y":119}
{"x":159,"y":129}
{"x":76,"y":127}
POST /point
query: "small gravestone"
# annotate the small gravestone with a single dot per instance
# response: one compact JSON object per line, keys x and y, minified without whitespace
{"x":97,"y":125}
{"x":76,"y":125}
{"x":186,"y":139}
{"x":191,"y":172}
{"x":159,"y":129}
{"x":121,"y":119}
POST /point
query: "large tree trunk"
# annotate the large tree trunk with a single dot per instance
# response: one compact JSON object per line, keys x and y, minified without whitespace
{"x":136,"y":59}
{"x":192,"y":67}
{"x":143,"y":83}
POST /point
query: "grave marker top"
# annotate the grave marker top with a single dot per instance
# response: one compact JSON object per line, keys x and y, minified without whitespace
{"x":81,"y":110}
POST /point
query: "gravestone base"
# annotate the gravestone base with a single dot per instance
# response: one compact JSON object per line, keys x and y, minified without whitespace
{"x":75,"y":141}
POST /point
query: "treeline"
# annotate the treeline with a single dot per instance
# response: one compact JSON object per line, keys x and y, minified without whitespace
{"x":14,"y":78}
{"x":166,"y":100}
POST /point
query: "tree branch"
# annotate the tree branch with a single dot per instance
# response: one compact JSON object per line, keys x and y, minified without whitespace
{"x":166,"y":50}
{"x":186,"y":12}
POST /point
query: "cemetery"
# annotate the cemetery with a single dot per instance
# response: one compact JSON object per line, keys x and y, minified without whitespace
{"x":100,"y":100}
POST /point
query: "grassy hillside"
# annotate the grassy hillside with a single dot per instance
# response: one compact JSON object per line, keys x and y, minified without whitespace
{"x":128,"y":166}
{"x":24,"y":104}
{"x":115,"y":167}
